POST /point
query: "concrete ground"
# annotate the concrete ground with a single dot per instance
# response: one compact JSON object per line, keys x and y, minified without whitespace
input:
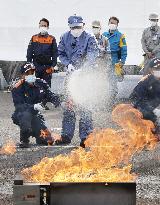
{"x":146,"y":164}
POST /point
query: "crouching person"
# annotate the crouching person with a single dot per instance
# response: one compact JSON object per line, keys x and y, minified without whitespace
{"x":146,"y":95}
{"x":27,"y":94}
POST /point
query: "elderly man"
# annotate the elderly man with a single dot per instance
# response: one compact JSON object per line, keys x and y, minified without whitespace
{"x":76,"y":49}
{"x":151,"y":41}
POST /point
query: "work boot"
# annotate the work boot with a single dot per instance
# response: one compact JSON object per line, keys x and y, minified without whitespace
{"x":46,"y":107}
{"x":62,"y":141}
{"x":41,"y":142}
{"x":82,"y":143}
{"x":24,"y":145}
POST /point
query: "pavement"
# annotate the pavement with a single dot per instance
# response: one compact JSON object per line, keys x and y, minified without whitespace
{"x":146,"y":164}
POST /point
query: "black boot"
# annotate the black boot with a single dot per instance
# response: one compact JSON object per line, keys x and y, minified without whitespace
{"x":62,"y":141}
{"x":24,"y":145}
{"x":82,"y":143}
{"x":24,"y":138}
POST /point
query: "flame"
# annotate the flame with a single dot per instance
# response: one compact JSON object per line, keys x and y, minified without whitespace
{"x":9,"y":148}
{"x":109,"y":154}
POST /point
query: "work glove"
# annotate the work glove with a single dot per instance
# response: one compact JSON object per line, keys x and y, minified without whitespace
{"x":50,"y":70}
{"x":68,"y":105}
{"x":70,"y":68}
{"x":119,"y":71}
{"x":39,"y":107}
{"x":150,"y":55}
{"x":156,"y":111}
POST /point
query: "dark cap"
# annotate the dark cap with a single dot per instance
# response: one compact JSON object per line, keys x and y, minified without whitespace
{"x":74,"y":21}
{"x":155,"y":63}
{"x":26,"y":67}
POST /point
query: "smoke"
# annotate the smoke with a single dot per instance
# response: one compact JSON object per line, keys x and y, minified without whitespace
{"x":89,"y":88}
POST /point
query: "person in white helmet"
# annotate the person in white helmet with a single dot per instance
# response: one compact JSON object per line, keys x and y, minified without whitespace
{"x":151,"y":41}
{"x":102,"y":41}
{"x":104,"y":60}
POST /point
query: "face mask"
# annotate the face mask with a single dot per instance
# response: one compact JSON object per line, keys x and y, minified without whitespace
{"x":153,"y":23}
{"x":30,"y":79}
{"x":96,"y":30}
{"x":112,"y":27}
{"x":77,"y":32}
{"x":156,"y":74}
{"x":43,"y":30}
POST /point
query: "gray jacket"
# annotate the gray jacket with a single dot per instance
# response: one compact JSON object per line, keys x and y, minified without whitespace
{"x":151,"y":40}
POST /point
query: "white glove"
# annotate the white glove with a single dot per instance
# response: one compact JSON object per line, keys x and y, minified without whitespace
{"x":63,"y":105}
{"x":38,"y":107}
{"x":156,"y":111}
{"x":70,"y":68}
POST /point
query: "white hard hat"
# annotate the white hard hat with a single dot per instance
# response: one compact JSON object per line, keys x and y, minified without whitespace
{"x":96,"y":24}
{"x":153,"y":16}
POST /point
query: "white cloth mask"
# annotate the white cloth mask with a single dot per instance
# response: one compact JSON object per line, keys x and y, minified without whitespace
{"x":76,"y":32}
{"x":96,"y":30}
{"x":112,"y":27}
{"x":153,"y":23}
{"x":30,"y":79}
{"x":156,"y":74}
{"x":43,"y":30}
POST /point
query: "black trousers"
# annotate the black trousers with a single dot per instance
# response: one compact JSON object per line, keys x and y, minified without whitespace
{"x":30,"y":125}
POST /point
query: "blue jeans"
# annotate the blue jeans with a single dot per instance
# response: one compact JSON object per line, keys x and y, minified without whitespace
{"x":69,"y":120}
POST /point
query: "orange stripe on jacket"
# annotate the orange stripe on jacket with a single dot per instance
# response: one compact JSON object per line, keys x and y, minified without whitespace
{"x":20,"y":82}
{"x":43,"y":40}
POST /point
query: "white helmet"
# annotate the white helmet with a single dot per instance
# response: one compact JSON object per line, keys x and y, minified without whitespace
{"x":153,"y":16}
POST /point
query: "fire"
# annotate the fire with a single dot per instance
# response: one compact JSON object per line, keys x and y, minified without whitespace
{"x":9,"y":148}
{"x":108,"y":158}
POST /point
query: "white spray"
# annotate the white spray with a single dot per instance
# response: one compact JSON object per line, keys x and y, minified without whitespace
{"x":89,"y":88}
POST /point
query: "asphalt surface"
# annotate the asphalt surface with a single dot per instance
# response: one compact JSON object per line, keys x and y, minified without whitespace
{"x":146,"y":164}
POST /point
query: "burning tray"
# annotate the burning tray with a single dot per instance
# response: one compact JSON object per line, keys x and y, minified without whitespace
{"x":74,"y":193}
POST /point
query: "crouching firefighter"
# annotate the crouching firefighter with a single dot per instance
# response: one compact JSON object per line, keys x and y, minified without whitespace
{"x":27,"y":94}
{"x":146,"y":95}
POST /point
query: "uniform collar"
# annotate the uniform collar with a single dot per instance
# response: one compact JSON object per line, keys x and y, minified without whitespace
{"x":40,"y":35}
{"x":99,"y":36}
{"x":29,"y":86}
{"x":113,"y":32}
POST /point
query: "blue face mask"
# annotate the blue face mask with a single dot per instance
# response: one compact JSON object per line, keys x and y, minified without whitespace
{"x":30,"y":79}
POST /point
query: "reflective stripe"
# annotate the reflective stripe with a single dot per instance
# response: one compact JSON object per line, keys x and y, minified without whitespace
{"x":43,"y":40}
{"x":20,"y":82}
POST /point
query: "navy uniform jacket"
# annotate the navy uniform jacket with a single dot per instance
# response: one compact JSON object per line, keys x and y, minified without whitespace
{"x":76,"y":51}
{"x":146,"y":93}
{"x":42,"y":50}
{"x":25,"y":95}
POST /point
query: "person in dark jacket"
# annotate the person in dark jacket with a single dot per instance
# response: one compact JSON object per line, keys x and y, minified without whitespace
{"x":28,"y":94}
{"x":146,"y":95}
{"x":42,"y":51}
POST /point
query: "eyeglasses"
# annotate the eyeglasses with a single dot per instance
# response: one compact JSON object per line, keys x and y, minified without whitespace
{"x":76,"y":27}
{"x":95,"y":27}
{"x":154,"y":20}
